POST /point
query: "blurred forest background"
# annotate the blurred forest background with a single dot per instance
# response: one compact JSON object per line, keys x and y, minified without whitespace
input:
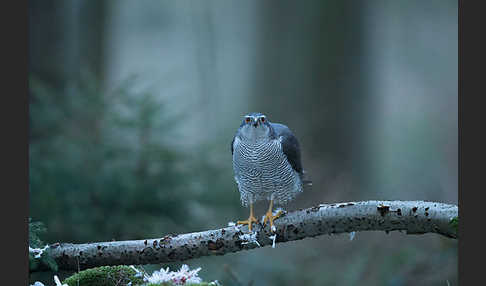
{"x":133,"y":105}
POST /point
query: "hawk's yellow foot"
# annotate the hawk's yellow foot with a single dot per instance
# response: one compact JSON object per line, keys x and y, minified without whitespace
{"x":251,"y":219}
{"x":270,"y":217}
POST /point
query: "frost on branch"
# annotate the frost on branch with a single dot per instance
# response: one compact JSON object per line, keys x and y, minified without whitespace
{"x":273,"y":237}
{"x":56,"y":281}
{"x":249,"y":238}
{"x":37,"y":252}
{"x":181,"y":277}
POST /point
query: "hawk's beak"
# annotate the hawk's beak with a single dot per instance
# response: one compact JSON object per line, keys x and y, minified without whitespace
{"x":255,"y":124}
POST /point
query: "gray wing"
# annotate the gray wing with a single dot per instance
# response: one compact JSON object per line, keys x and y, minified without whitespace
{"x":290,"y":145}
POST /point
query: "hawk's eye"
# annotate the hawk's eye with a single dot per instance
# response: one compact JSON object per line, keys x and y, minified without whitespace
{"x":262,"y":119}
{"x":247,"y":120}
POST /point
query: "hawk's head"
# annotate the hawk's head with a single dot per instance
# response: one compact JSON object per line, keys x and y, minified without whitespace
{"x":255,"y":126}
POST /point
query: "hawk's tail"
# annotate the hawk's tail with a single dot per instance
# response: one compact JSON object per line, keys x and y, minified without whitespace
{"x":306,"y":183}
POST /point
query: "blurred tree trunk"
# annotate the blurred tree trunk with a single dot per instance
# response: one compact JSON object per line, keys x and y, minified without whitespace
{"x":63,"y":45}
{"x":312,"y":55}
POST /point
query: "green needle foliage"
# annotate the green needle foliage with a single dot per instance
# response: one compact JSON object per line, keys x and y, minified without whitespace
{"x":102,"y":165}
{"x":36,"y":228}
{"x":44,"y":261}
{"x":455,"y":223}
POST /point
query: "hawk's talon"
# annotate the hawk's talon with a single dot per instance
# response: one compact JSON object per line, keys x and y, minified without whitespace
{"x":251,"y":219}
{"x":270,"y":218}
{"x":249,"y":222}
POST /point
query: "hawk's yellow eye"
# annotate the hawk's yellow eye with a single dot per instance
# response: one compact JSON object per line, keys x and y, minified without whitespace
{"x":247,"y":120}
{"x":262,"y":119}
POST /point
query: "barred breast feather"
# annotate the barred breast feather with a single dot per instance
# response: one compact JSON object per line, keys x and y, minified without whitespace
{"x":262,"y":171}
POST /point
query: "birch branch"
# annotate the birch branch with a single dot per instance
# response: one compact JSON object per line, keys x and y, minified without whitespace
{"x":413,"y":217}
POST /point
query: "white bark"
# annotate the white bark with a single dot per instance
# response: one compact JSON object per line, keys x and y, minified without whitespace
{"x":414,"y":217}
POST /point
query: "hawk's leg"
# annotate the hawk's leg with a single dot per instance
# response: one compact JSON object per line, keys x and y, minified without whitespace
{"x":270,"y":217}
{"x":250,"y":219}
